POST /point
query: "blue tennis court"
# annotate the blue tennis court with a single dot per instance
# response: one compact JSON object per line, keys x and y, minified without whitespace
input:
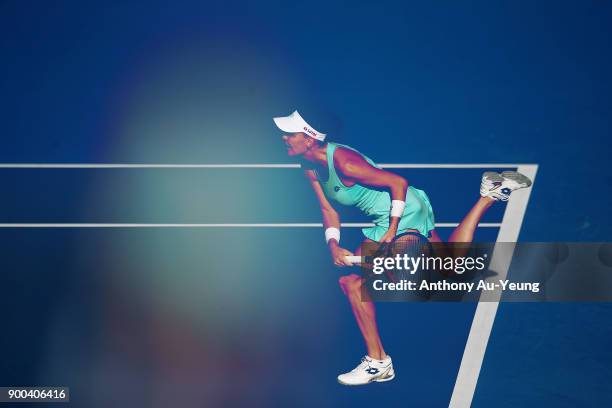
{"x":242,"y":290}
{"x":160,"y":249}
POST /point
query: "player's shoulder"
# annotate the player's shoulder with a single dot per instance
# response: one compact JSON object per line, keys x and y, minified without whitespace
{"x":347,"y":153}
{"x":346,"y":158}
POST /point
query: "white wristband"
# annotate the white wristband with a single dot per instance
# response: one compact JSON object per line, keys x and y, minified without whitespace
{"x":397,"y":208}
{"x":332,"y":232}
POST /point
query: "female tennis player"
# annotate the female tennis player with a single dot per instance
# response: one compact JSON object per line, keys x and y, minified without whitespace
{"x":341,"y":174}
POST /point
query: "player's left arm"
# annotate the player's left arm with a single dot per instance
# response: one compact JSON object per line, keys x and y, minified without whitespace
{"x":354,"y":167}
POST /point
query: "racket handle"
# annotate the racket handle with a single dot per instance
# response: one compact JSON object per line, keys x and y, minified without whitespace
{"x":353,"y":259}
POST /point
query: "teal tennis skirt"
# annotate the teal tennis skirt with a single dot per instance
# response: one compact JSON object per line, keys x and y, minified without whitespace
{"x":418,"y":215}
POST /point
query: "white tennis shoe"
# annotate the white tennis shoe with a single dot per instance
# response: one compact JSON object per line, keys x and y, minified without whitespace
{"x":369,"y":370}
{"x":499,"y":186}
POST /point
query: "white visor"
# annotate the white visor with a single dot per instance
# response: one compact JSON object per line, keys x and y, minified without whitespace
{"x":294,"y":123}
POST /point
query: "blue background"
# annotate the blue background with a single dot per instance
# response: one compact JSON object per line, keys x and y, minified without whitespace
{"x":135,"y":317}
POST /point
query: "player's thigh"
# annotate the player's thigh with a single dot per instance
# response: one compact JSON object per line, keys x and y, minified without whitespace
{"x":434,"y":236}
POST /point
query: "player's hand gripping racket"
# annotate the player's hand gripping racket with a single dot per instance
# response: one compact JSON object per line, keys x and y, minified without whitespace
{"x":411,"y":244}
{"x":382,"y":251}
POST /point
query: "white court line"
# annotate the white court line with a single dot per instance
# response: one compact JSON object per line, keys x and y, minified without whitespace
{"x":452,"y":166}
{"x":236,"y":166}
{"x":143,"y":166}
{"x":482,"y":324}
{"x":289,"y":225}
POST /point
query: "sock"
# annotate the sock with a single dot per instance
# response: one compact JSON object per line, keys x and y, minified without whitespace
{"x":381,"y":362}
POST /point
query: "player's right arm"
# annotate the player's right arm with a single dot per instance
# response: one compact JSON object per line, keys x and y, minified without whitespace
{"x":330,"y":219}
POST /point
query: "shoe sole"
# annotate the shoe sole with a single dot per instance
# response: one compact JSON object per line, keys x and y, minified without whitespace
{"x":385,"y":379}
{"x":377,"y":379}
{"x":492,"y":176}
{"x":517,"y":177}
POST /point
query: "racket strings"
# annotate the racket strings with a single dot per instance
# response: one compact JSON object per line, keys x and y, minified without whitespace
{"x":410,"y":246}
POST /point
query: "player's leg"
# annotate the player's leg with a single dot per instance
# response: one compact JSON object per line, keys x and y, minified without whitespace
{"x":364,"y":312}
{"x":376,"y":366}
{"x":464,"y":232}
{"x":493,"y":187}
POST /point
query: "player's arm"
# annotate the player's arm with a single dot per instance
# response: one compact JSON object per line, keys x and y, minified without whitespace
{"x":331,"y":219}
{"x":330,"y":215}
{"x":354,"y":167}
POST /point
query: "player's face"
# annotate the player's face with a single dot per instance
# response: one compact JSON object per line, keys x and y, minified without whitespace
{"x":296,"y":143}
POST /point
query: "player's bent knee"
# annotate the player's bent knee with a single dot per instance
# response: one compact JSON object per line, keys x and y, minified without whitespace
{"x":350,"y":283}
